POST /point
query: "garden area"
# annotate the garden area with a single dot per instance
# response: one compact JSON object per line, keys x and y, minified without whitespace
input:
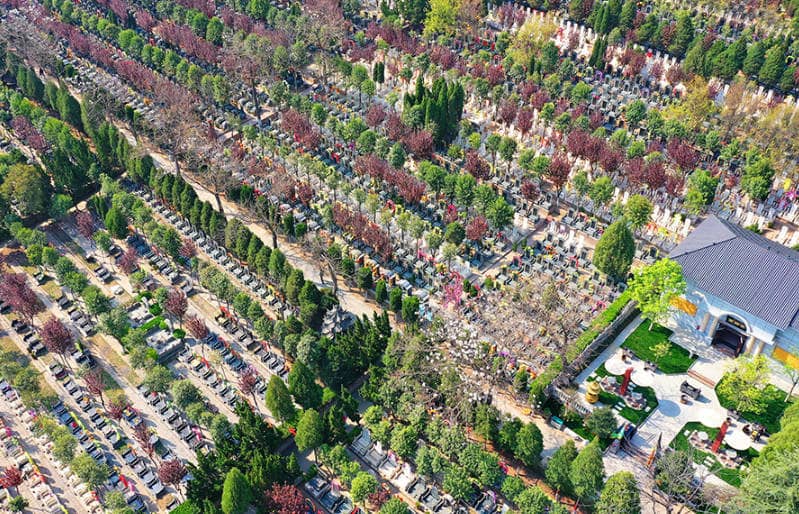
{"x":767,"y":410}
{"x":654,"y":345}
{"x":730,"y":475}
{"x":635,"y":416}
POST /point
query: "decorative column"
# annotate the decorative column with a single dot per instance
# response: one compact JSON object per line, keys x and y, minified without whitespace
{"x":758,"y":348}
{"x":713,"y":326}
{"x":705,"y":320}
{"x":750,"y":342}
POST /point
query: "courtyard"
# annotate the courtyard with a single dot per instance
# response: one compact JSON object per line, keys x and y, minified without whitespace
{"x":664,"y":409}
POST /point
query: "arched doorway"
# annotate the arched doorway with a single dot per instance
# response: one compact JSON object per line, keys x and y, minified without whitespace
{"x":730,"y":335}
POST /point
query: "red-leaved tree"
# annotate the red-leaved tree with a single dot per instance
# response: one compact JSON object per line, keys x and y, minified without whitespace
{"x":188,"y":249}
{"x":57,"y":338}
{"x":247,"y":382}
{"x":11,"y":477}
{"x":129,"y":262}
{"x":171,"y":472}
{"x":95,"y":383}
{"x":176,"y":304}
{"x":284,"y":499}
{"x":197,"y":327}
{"x":15,"y":292}
{"x":85,"y":222}
{"x":476,"y":228}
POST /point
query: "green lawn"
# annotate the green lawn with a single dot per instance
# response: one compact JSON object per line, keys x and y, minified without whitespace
{"x":775,"y":406}
{"x":610,"y":399}
{"x":729,"y":475}
{"x":643,"y":340}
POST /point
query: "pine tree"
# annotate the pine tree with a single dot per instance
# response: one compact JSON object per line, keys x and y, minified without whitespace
{"x":558,"y":472}
{"x":627,"y":16}
{"x":303,"y":387}
{"x":278,"y":399}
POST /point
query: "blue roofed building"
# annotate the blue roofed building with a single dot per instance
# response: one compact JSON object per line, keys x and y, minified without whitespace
{"x":743,"y":290}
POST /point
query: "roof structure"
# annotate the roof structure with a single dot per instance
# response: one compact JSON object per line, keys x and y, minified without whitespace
{"x":743,"y":268}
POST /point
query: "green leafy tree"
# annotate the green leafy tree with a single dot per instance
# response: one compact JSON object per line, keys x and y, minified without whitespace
{"x":442,"y":18}
{"x":236,"y":493}
{"x":601,"y":422}
{"x":757,"y":178}
{"x":363,"y":485}
{"x":507,"y":149}
{"x":638,"y":211}
{"x":533,"y":501}
{"x":310,"y":431}
{"x":158,"y":379}
{"x":620,"y":495}
{"x":588,"y":472}
{"x":26,"y":188}
{"x":615,"y":250}
{"x":278,"y":399}
{"x":558,"y":472}
{"x":655,"y":286}
{"x":91,"y":472}
{"x":457,"y":483}
{"x":744,"y":383}
{"x":601,"y":191}
{"x":303,"y":387}
{"x":394,"y":506}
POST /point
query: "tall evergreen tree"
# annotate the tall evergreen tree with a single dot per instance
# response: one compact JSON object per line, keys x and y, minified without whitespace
{"x":236,"y":493}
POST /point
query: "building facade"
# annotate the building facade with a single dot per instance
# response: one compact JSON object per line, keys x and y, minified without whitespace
{"x":743,"y":290}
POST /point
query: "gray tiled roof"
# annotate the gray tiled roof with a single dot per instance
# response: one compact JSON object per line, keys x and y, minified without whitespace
{"x":744,"y":269}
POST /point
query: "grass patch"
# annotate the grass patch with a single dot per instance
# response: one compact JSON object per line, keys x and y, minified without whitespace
{"x":573,"y":421}
{"x":153,"y":323}
{"x":642,"y":341}
{"x":634,"y":416}
{"x":7,"y":345}
{"x":732,"y":476}
{"x":775,"y":405}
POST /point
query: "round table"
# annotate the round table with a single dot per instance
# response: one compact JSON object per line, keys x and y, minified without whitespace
{"x":702,"y":435}
{"x":735,"y":438}
{"x":642,"y":378}
{"x":712,"y":417}
{"x":615,"y":365}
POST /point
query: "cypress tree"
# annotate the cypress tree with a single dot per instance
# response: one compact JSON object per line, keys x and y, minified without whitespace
{"x":236,"y":493}
{"x":773,"y":65}
{"x":754,"y":58}
{"x":615,"y":250}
